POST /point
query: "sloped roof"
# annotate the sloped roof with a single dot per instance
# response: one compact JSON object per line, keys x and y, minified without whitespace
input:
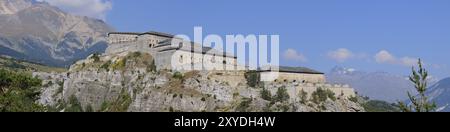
{"x":149,"y":33}
{"x":193,"y":47}
{"x":292,"y":70}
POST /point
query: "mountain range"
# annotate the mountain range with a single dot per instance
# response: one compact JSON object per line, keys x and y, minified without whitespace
{"x":440,"y":94}
{"x":376,"y":85}
{"x":41,"y":33}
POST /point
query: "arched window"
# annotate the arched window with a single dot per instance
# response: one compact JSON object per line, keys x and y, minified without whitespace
{"x":181,"y":59}
{"x":213,"y":59}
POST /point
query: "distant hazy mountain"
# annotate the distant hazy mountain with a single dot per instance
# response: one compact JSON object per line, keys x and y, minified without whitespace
{"x":376,"y":85}
{"x":41,"y":33}
{"x":440,"y":93}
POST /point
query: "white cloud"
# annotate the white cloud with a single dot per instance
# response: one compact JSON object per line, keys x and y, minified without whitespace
{"x":341,"y":54}
{"x":292,"y":54}
{"x":387,"y":58}
{"x":384,"y":57}
{"x":90,"y":8}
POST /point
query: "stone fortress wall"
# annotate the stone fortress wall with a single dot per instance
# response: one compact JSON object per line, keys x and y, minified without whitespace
{"x":157,"y":45}
{"x":294,"y":88}
{"x":166,"y":56}
{"x":292,"y":77}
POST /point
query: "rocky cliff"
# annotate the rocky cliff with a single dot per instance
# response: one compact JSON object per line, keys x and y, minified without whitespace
{"x":129,"y":82}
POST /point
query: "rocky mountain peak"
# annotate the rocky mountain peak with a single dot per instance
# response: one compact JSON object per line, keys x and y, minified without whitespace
{"x":14,"y":6}
{"x":38,"y":32}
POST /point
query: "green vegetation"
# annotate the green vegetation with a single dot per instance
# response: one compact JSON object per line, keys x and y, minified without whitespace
{"x":177,"y":75}
{"x":106,"y":65}
{"x":354,"y":99}
{"x":73,"y":105}
{"x":282,"y":95}
{"x":95,"y":57}
{"x":321,"y":95}
{"x":253,"y":78}
{"x":24,"y":66}
{"x":419,"y":103}
{"x":151,"y":67}
{"x":136,"y":54}
{"x":203,"y":99}
{"x":303,"y":96}
{"x":380,"y":106}
{"x":120,"y":64}
{"x":244,"y":105}
{"x":266,"y":95}
{"x":19,"y":92}
{"x":121,"y":104}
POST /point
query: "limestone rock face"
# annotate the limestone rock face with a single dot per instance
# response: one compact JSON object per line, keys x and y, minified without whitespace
{"x":107,"y":78}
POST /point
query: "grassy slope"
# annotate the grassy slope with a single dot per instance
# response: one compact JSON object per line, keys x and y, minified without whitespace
{"x":17,"y":65}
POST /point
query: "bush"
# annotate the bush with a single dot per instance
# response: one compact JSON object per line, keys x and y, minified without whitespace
{"x":303,"y":96}
{"x":244,"y":105}
{"x":177,"y":75}
{"x":266,"y":95}
{"x":253,"y":78}
{"x":73,"y":105}
{"x":19,"y":92}
{"x":120,"y":64}
{"x":353,"y":99}
{"x":120,"y":104}
{"x":106,"y":65}
{"x":282,"y":95}
{"x":321,"y":95}
{"x":151,"y":67}
{"x":95,"y":57}
{"x":136,"y":54}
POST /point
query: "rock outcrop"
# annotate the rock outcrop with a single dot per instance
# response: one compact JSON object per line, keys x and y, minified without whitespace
{"x":100,"y":81}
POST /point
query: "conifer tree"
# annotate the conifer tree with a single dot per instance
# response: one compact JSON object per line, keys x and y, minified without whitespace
{"x":419,"y":103}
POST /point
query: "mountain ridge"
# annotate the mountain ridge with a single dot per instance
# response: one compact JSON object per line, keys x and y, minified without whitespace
{"x":376,"y":85}
{"x":39,"y":32}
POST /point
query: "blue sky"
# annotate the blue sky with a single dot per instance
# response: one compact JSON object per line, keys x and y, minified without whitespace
{"x":369,"y":35}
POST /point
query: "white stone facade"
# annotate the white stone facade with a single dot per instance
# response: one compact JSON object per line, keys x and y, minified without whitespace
{"x":181,"y":57}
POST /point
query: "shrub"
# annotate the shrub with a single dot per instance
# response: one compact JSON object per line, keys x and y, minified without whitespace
{"x":203,"y":99}
{"x":244,"y":105}
{"x":177,"y":75}
{"x":303,"y":96}
{"x":253,"y":78}
{"x":353,"y":99}
{"x":106,"y":65}
{"x":19,"y":92}
{"x":321,"y":95}
{"x":89,"y":109}
{"x":266,"y":95}
{"x":73,"y":105}
{"x":136,"y":54}
{"x":120,"y":104}
{"x":151,"y":67}
{"x":95,"y":57}
{"x":120,"y":64}
{"x":282,"y":95}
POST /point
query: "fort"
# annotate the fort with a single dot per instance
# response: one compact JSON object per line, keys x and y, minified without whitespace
{"x":174,"y":54}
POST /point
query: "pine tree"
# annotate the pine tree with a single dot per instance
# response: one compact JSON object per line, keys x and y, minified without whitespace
{"x":420,"y":102}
